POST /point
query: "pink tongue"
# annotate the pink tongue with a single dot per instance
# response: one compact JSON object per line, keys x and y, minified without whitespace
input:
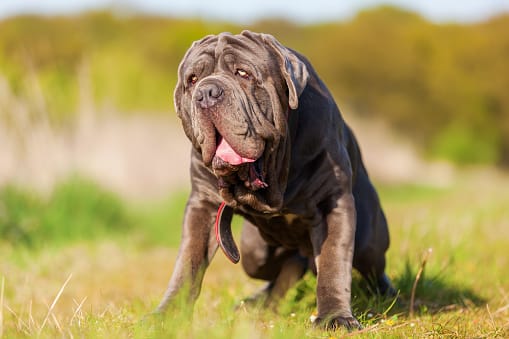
{"x":226,"y":152}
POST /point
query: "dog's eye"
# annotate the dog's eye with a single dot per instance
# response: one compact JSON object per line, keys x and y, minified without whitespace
{"x":192,"y":79}
{"x":242,"y":73}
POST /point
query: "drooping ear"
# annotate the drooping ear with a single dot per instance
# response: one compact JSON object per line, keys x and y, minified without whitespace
{"x":293,"y":69}
{"x":179,"y":88}
{"x":178,"y":94}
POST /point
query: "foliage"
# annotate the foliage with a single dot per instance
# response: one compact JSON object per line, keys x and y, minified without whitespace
{"x":77,"y":209}
{"x":443,"y":85}
{"x":159,"y":223}
{"x":112,"y":286}
{"x":80,"y":210}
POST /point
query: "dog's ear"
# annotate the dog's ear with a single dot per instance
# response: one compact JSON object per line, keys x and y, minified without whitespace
{"x":293,"y":69}
{"x":178,"y":96}
{"x":181,"y":81}
{"x":180,"y":88}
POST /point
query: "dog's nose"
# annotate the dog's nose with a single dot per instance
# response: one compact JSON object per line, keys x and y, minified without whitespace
{"x":208,"y":95}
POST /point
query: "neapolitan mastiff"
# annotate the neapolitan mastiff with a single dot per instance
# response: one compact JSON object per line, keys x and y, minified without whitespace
{"x":269,"y":144}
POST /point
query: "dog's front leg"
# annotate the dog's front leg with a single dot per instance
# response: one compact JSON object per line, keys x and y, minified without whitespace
{"x":197,"y":248}
{"x":333,"y":245}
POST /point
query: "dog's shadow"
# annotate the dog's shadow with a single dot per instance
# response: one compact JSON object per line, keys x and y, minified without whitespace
{"x":434,"y":293}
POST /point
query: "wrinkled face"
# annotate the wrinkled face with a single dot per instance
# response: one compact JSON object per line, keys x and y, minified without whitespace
{"x":233,"y":97}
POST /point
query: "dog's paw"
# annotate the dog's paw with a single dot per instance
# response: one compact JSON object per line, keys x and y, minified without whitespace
{"x":334,"y":323}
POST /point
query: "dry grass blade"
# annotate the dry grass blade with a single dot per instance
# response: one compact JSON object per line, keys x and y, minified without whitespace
{"x":77,"y":311}
{"x":362,"y":331}
{"x":492,"y":320}
{"x":50,"y":310}
{"x":57,"y":323}
{"x":502,"y":309}
{"x":31,"y":320}
{"x":2,"y":307}
{"x":22,"y":326}
{"x":417,"y":278}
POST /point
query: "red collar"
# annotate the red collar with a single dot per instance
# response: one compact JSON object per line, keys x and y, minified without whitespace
{"x":223,"y":230}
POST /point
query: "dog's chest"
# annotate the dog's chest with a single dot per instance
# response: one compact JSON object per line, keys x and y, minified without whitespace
{"x":289,"y":231}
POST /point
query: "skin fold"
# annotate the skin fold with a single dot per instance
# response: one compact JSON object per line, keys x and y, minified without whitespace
{"x":297,"y":176}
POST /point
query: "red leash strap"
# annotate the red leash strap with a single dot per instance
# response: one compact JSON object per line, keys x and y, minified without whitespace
{"x":223,"y":230}
{"x":218,"y":218}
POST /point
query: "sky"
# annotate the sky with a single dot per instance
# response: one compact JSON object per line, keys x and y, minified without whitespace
{"x":301,"y":11}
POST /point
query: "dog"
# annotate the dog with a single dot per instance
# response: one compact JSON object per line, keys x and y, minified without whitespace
{"x":269,"y":144}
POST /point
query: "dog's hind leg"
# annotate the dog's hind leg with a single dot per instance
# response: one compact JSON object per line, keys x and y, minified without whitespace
{"x":282,"y":268}
{"x":372,"y":237}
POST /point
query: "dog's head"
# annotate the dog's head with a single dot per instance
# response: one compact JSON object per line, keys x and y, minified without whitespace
{"x":233,"y":96}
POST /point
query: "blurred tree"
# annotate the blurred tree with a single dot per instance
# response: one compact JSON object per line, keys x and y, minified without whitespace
{"x":443,"y":85}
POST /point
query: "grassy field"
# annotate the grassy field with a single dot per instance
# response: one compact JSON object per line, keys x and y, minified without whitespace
{"x":103,"y":284}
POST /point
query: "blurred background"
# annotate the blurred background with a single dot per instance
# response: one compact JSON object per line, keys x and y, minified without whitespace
{"x":86,"y":89}
{"x":94,"y":163}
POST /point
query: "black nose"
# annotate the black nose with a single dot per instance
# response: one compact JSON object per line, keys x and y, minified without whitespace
{"x":208,"y":95}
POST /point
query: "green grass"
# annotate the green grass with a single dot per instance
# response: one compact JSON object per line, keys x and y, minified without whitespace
{"x":77,"y":209}
{"x":118,"y":276}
